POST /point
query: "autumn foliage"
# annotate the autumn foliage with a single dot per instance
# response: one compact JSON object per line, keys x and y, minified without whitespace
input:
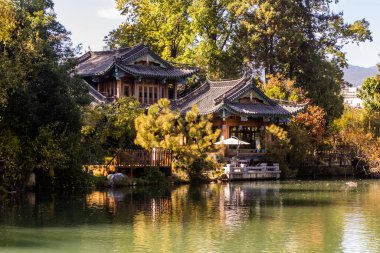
{"x":279,"y":87}
{"x":313,"y":120}
{"x":354,"y":136}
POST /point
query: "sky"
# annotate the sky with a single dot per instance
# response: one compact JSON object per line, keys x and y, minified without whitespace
{"x":90,"y":20}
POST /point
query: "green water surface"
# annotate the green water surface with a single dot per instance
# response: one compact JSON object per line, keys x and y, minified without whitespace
{"x":297,"y":216}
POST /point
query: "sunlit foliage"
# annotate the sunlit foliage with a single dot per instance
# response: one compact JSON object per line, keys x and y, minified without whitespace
{"x":189,"y":138}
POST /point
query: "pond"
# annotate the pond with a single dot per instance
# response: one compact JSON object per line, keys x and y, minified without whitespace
{"x":287,"y":216}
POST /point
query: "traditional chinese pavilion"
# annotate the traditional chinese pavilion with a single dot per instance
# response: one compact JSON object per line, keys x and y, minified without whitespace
{"x":238,"y":107}
{"x":131,"y":71}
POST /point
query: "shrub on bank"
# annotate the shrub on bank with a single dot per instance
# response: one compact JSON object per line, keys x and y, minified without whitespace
{"x":99,"y":181}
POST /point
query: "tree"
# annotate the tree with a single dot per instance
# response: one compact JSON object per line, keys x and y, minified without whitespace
{"x":108,"y":128}
{"x":199,"y":32}
{"x":303,"y":41}
{"x":120,"y":122}
{"x":163,"y":25}
{"x":298,"y":142}
{"x":160,"y":128}
{"x":214,"y":23}
{"x":189,"y":138}
{"x":300,"y":39}
{"x":199,"y":140}
{"x":313,"y":121}
{"x":292,"y":146}
{"x":40,"y":109}
{"x":278,"y":87}
{"x":369,"y":92}
{"x":360,"y":143}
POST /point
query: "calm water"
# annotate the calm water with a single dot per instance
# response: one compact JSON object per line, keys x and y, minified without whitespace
{"x":323,"y":216}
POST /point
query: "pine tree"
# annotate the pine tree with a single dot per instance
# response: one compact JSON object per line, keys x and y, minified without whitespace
{"x":190,"y":138}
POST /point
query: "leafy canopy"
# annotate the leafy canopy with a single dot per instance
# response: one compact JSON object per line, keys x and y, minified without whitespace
{"x":278,"y":87}
{"x":40,"y":101}
{"x":199,"y":32}
{"x":369,"y":92}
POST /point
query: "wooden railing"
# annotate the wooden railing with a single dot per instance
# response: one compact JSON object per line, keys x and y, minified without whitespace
{"x":143,"y":158}
{"x":130,"y":159}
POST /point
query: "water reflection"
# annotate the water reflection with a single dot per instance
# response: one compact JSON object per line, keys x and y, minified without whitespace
{"x":236,"y":217}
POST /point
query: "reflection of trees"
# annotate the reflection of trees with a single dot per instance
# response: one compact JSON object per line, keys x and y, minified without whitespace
{"x":289,"y":217}
{"x":235,"y":217}
{"x":125,"y":204}
{"x":361,"y":220}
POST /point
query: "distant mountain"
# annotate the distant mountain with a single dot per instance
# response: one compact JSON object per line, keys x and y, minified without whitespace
{"x":356,"y":75}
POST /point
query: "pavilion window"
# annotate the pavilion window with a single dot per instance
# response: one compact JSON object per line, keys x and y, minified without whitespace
{"x":155,"y":95}
{"x":126,"y":91}
{"x":145,"y":95}
{"x":163,"y":92}
{"x":151,"y":94}
{"x":140,"y":94}
{"x":171,"y":91}
{"x":148,"y":91}
{"x":128,"y":84}
{"x":248,"y":134}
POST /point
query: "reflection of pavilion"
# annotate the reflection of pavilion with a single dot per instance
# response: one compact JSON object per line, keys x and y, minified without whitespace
{"x":244,"y":194}
{"x":238,"y":200}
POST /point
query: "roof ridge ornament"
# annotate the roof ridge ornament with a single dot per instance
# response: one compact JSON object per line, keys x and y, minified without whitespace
{"x":218,"y":100}
{"x":290,"y":103}
{"x":117,"y":73}
{"x":225,"y":80}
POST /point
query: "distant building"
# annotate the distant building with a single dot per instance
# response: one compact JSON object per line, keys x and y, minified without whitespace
{"x":350,"y":97}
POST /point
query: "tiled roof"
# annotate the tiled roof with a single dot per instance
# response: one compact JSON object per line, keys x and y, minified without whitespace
{"x":257,"y":109}
{"x":214,"y":96}
{"x":293,"y":109}
{"x":157,"y":71}
{"x":94,"y":64}
{"x":205,"y":96}
{"x":99,"y":63}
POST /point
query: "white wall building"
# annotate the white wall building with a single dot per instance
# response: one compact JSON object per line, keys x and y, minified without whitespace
{"x":350,"y":96}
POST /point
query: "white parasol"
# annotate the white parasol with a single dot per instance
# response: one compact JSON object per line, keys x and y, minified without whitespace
{"x":232,"y":141}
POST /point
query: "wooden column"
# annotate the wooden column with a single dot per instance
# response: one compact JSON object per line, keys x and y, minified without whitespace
{"x":118,"y":88}
{"x":268,"y":139}
{"x":135,"y":86}
{"x":143,"y":91}
{"x":175,"y":90}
